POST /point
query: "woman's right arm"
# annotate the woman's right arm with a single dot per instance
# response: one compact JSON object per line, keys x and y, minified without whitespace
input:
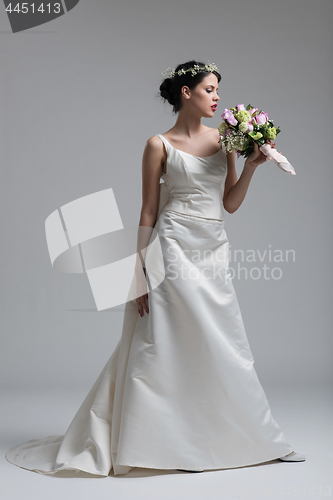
{"x":152,"y":167}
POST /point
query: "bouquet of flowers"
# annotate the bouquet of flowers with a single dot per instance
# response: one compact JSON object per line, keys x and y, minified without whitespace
{"x":242,"y":127}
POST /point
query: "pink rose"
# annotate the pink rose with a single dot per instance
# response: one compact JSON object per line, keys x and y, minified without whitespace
{"x":225,"y":112}
{"x":250,"y":127}
{"x":240,"y":107}
{"x":260,"y":119}
{"x":253,"y":110}
{"x":229,"y":116}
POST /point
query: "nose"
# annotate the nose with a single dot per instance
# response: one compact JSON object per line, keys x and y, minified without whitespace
{"x":217,"y":97}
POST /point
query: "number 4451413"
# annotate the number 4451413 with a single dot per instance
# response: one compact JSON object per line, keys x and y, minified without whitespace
{"x":26,"y":7}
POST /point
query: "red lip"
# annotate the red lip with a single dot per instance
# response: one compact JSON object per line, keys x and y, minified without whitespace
{"x":214,"y":107}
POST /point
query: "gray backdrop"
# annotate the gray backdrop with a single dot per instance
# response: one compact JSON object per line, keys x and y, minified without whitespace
{"x":79,"y":100}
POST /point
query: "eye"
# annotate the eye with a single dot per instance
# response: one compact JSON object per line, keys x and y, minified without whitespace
{"x":210,"y":90}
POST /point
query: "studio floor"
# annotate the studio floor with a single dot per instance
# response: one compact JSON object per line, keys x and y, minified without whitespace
{"x":303,"y":412}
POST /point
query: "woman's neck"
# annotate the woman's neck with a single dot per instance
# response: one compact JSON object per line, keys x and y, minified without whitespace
{"x":188,"y":124}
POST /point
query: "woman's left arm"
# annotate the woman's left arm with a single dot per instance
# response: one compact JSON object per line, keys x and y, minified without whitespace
{"x":235,"y":190}
{"x":231,"y":178}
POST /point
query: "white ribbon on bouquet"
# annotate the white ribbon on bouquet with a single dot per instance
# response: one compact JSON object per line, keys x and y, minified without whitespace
{"x":279,"y":159}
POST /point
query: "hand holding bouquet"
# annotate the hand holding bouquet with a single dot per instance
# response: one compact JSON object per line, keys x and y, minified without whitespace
{"x":242,"y":127}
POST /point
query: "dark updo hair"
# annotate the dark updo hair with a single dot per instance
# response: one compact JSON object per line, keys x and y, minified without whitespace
{"x":170,"y":87}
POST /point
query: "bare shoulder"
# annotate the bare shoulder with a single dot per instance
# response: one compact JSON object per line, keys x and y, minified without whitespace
{"x":213,"y":132}
{"x":154,"y":145}
{"x":154,"y":151}
{"x":213,"y":135}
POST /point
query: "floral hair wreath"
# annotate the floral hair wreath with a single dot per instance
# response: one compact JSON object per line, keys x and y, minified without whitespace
{"x":210,"y":67}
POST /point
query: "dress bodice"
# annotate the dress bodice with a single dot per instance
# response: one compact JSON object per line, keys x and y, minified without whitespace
{"x":193,"y":185}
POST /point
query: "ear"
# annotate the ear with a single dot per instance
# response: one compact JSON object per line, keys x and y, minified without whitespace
{"x":185,"y":92}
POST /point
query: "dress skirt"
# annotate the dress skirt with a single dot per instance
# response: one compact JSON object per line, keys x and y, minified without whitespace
{"x":180,"y":390}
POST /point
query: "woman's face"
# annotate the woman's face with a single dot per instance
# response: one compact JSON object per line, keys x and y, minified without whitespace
{"x":204,"y":97}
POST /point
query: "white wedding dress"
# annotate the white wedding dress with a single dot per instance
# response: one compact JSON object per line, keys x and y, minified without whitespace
{"x":180,"y":390}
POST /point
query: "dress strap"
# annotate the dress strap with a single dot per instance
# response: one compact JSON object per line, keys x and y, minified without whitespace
{"x":165,"y":142}
{"x":167,"y":148}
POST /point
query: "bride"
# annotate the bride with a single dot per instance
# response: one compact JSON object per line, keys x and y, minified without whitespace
{"x":180,"y":390}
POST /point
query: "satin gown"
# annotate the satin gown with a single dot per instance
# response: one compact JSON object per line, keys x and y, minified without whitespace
{"x":180,"y":390}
